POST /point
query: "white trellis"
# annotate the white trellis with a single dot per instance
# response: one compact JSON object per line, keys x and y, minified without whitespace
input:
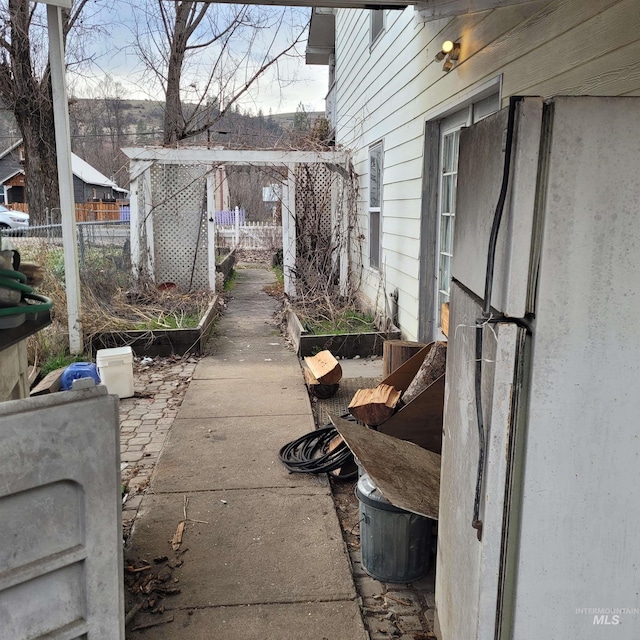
{"x":173,"y":230}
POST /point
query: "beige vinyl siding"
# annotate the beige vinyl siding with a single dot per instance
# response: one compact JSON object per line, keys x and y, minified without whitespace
{"x":387,"y":93}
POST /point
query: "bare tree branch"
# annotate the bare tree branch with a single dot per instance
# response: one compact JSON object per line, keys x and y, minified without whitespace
{"x":207,"y":57}
{"x":25,"y":89}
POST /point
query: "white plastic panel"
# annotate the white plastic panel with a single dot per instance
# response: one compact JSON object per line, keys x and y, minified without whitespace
{"x":61,"y":531}
{"x":468,"y":569}
{"x":580,"y":518}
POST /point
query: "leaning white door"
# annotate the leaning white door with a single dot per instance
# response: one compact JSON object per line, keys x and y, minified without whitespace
{"x":61,"y":524}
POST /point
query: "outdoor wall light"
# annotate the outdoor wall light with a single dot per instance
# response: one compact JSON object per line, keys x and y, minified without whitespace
{"x":450,"y":52}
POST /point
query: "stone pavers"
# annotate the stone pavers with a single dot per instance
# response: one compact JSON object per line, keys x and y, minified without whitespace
{"x":401,"y":611}
{"x":145,"y":419}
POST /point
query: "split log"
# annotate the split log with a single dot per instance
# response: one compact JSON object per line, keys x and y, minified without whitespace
{"x":309,"y":379}
{"x":374,"y":406}
{"x":324,"y":367}
{"x":316,"y":388}
{"x":349,"y":467}
{"x":431,"y":369}
{"x":397,"y":352}
{"x":444,"y":318}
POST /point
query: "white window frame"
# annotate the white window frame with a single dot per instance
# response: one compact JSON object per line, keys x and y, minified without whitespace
{"x":451,"y":126}
{"x":375,"y":206}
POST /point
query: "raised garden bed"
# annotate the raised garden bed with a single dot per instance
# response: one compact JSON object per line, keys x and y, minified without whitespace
{"x":162,"y":342}
{"x":226,"y":265}
{"x":343,"y":345}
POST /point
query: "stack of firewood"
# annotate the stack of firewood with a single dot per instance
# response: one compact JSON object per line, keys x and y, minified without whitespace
{"x":374,"y":406}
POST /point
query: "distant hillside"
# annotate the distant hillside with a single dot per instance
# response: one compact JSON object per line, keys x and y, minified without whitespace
{"x":288,"y":119}
{"x":101,"y":127}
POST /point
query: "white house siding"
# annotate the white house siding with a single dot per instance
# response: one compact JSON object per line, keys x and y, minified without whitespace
{"x":388,"y":91}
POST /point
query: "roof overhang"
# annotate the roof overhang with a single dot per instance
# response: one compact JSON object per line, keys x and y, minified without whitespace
{"x":332,"y":4}
{"x":431,"y":9}
{"x":321,"y":43}
{"x":11,"y":175}
{"x":436,"y":9}
{"x":64,"y":4}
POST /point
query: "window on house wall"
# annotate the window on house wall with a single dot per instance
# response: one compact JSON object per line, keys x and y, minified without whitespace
{"x":447,"y":210}
{"x":376,"y":24}
{"x":448,"y":179}
{"x":375,"y":203}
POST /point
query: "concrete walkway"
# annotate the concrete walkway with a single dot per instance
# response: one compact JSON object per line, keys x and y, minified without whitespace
{"x":266,"y":559}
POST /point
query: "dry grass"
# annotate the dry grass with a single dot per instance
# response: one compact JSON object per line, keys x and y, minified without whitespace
{"x":109,"y":301}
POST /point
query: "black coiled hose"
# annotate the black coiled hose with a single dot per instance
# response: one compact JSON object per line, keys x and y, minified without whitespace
{"x":310,"y":453}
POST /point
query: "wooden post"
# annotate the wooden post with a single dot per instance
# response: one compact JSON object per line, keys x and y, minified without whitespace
{"x":236,"y":220}
{"x":289,"y":232}
{"x":397,"y":352}
{"x":134,"y":224}
{"x":345,"y":236}
{"x":211,"y":228}
{"x":148,"y":223}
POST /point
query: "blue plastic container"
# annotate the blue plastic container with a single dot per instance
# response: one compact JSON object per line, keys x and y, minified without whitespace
{"x":77,"y":370}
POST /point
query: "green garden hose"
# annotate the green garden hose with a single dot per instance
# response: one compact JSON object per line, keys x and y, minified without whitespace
{"x":10,"y":279}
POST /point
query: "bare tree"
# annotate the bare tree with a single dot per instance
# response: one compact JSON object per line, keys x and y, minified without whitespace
{"x":207,"y":56}
{"x":99,"y":125}
{"x":25,"y":89}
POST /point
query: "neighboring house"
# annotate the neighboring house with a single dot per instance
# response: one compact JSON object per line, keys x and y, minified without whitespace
{"x":539,"y":482}
{"x":393,"y":105}
{"x":88,"y":183}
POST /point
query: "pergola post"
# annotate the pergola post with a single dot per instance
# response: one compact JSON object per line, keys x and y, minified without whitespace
{"x":289,"y":232}
{"x":147,"y":223}
{"x":134,"y":223}
{"x":211,"y":228}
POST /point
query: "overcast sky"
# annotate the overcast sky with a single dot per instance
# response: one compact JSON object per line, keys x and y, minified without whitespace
{"x":306,"y":84}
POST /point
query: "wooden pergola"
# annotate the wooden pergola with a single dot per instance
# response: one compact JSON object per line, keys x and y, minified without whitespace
{"x":143,"y":159}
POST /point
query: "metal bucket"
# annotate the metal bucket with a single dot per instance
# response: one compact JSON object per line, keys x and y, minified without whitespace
{"x":395,"y":543}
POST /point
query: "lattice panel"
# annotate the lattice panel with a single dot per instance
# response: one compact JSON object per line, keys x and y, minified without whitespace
{"x":313,"y":197}
{"x":317,"y":247}
{"x":180,"y":225}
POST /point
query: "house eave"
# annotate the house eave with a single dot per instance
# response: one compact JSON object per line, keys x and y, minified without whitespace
{"x":429,"y":10}
{"x":321,"y":43}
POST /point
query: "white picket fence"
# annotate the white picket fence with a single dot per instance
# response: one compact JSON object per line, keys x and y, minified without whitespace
{"x":252,"y":235}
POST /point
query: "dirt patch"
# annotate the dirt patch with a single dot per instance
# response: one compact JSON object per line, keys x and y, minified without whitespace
{"x":145,"y":420}
{"x":148,"y":587}
{"x":346,"y":503}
